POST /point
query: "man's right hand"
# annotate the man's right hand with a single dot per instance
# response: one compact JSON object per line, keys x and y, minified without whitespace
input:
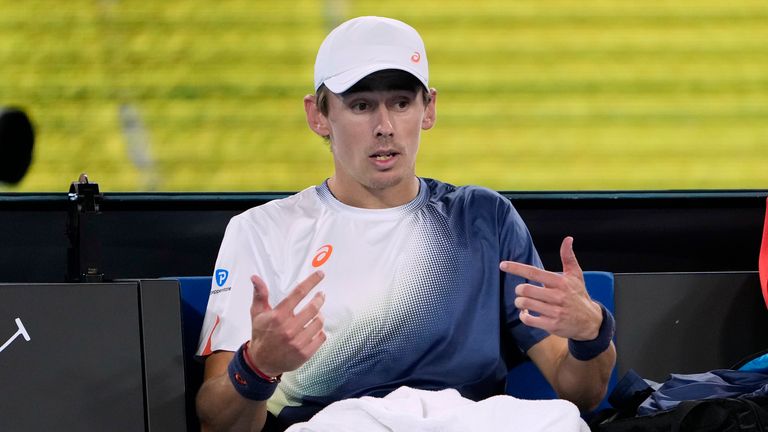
{"x":282,"y":339}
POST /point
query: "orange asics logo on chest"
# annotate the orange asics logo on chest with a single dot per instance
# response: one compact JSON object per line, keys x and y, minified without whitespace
{"x":322,"y":255}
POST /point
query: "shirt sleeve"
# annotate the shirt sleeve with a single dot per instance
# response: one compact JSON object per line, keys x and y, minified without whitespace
{"x":517,"y":245}
{"x":227,"y":319}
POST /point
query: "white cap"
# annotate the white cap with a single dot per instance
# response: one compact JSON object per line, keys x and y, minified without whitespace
{"x":364,"y":45}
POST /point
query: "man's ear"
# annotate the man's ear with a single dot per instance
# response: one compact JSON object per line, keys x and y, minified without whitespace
{"x":430,"y":114}
{"x":315,"y":119}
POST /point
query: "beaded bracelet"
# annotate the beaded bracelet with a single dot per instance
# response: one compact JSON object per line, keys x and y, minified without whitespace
{"x":587,"y":350}
{"x":248,"y":380}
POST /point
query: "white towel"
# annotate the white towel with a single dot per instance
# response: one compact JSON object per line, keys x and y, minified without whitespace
{"x":412,"y":410}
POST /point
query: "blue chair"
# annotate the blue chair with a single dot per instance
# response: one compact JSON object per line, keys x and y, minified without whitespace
{"x":524,"y":381}
{"x":194,"y":291}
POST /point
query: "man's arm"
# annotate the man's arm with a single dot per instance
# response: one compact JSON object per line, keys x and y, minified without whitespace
{"x":281,"y":341}
{"x":582,"y":382}
{"x":220,"y":406}
{"x":563,"y":307}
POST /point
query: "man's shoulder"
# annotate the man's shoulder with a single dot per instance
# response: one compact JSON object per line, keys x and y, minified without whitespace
{"x":281,"y":210}
{"x":470,"y":193}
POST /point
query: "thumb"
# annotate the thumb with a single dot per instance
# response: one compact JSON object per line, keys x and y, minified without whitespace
{"x":568,"y":258}
{"x":260,"y":296}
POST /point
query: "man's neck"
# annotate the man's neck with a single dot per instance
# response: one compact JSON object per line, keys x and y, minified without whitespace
{"x":360,"y":196}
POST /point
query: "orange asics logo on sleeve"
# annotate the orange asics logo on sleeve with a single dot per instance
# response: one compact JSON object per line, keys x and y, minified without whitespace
{"x":322,"y":255}
{"x":416,"y":57}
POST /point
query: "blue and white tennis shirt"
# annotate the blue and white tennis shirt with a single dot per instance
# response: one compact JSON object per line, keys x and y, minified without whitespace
{"x":414,"y":294}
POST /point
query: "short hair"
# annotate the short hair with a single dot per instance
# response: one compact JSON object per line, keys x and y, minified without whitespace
{"x":387,"y":79}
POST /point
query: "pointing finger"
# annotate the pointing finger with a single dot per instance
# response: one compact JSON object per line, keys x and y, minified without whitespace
{"x":530,"y":272}
{"x":302,"y":289}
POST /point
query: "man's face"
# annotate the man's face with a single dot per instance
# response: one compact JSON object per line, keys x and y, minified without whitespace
{"x":375,"y":135}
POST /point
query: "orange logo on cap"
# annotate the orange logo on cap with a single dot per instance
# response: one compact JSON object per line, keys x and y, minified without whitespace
{"x":416,"y":57}
{"x":322,"y":255}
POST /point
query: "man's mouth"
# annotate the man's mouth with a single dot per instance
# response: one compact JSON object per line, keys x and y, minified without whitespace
{"x":384,"y":156}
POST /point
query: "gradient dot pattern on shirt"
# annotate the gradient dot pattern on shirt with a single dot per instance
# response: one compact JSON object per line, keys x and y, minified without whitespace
{"x":399,"y":330}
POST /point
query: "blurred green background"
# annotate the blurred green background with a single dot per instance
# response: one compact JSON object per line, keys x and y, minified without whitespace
{"x":193,"y":95}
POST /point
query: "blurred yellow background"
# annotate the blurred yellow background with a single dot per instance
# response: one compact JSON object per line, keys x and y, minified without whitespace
{"x":193,"y":95}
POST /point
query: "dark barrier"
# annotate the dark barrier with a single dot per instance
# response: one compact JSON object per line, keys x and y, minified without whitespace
{"x":88,"y":357}
{"x":687,"y":322}
{"x":167,"y":234}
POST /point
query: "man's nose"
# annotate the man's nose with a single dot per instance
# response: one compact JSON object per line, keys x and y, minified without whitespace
{"x":383,"y":127}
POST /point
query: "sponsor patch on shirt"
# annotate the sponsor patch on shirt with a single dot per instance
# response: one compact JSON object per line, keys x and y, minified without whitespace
{"x":221,"y":276}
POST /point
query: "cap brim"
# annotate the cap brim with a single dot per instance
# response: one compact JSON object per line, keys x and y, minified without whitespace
{"x":343,"y":81}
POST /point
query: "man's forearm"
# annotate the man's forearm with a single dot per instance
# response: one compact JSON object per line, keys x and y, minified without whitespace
{"x":221,"y":408}
{"x":585,"y":382}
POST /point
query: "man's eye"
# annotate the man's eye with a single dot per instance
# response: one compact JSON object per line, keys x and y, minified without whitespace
{"x":402,"y":104}
{"x":359,"y":106}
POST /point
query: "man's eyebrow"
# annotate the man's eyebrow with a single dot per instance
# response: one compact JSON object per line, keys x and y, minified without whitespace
{"x":365,"y":92}
{"x":349,"y":97}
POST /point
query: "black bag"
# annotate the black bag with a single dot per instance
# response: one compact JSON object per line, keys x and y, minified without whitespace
{"x":707,"y":415}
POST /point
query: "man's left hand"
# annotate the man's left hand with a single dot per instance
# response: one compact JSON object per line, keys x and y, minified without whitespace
{"x":562,"y":305}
